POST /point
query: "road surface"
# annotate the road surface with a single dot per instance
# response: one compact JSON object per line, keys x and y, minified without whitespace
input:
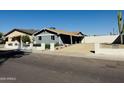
{"x":43,"y":68}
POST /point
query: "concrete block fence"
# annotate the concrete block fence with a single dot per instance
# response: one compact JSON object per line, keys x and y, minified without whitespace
{"x":109,"y":51}
{"x":16,"y":45}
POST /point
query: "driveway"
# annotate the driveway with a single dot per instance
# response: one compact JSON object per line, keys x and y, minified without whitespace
{"x":42,"y":68}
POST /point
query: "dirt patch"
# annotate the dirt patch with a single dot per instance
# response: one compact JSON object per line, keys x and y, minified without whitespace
{"x":78,"y":48}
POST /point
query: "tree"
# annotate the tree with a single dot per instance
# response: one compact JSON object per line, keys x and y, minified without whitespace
{"x":123,"y":27}
{"x":25,"y":39}
{"x":1,"y":34}
{"x":120,"y":25}
{"x":120,"y":21}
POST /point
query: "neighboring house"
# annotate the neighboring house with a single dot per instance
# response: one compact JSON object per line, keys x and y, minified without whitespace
{"x":48,"y":36}
{"x":16,"y":34}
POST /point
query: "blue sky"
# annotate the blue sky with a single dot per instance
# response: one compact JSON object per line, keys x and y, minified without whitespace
{"x":88,"y":22}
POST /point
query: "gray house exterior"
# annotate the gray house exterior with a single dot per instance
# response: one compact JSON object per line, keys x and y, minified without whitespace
{"x":48,"y":36}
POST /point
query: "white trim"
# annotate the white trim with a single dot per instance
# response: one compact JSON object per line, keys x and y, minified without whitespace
{"x":71,"y":39}
{"x":45,"y":34}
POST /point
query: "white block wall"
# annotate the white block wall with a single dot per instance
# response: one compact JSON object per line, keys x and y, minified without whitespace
{"x":14,"y":46}
{"x":109,"y":51}
{"x":39,"y":48}
{"x":52,"y":46}
{"x":99,"y":39}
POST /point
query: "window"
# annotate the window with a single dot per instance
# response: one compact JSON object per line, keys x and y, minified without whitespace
{"x":39,"y":38}
{"x":52,"y":37}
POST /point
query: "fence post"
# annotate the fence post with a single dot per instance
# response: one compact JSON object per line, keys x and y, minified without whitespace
{"x":43,"y":46}
{"x":52,"y":47}
{"x":97,"y":46}
{"x":31,"y":45}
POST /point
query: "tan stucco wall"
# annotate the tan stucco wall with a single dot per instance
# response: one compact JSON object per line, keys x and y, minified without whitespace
{"x":99,"y":39}
{"x":16,"y":33}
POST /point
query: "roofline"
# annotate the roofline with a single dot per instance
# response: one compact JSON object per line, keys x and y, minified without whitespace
{"x":82,"y":33}
{"x":38,"y":32}
{"x":17,"y":30}
{"x":44,"y":30}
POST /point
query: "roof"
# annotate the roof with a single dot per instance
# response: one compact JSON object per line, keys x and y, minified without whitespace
{"x":27,"y":31}
{"x":61,"y":32}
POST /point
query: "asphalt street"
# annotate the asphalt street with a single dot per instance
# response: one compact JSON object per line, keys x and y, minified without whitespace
{"x":43,"y":68}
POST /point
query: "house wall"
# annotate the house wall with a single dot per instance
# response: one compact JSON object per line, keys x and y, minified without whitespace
{"x":100,"y":39}
{"x":16,"y":33}
{"x":46,"y":38}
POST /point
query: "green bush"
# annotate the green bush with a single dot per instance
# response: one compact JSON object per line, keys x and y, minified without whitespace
{"x":47,"y":46}
{"x":25,"y":39}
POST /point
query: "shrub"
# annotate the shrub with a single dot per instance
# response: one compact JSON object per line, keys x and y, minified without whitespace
{"x":25,"y":39}
{"x":47,"y":46}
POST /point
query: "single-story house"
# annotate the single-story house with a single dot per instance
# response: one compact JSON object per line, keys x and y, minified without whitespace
{"x":48,"y":36}
{"x":16,"y":34}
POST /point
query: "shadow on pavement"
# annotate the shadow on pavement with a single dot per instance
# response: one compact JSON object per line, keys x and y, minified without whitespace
{"x":92,"y":51}
{"x":6,"y":54}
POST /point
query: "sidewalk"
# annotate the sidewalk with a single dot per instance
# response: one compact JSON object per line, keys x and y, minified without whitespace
{"x":89,"y":55}
{"x":84,"y":55}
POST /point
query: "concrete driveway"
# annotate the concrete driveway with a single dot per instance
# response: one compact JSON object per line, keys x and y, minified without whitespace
{"x":42,"y":68}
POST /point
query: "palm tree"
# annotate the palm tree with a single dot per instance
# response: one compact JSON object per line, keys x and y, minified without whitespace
{"x":120,"y":25}
{"x":120,"y":21}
